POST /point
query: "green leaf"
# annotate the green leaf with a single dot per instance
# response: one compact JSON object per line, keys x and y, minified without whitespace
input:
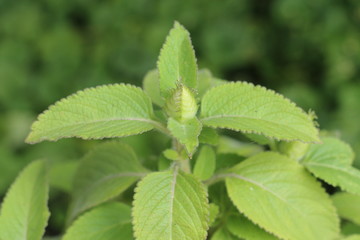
{"x":170,"y":205}
{"x":348,"y":206}
{"x":152,"y":88}
{"x":209,"y":136}
{"x":187,"y":133}
{"x":108,"y":222}
{"x":243,"y":228}
{"x":24,"y":212}
{"x":103,"y":112}
{"x":259,"y":139}
{"x":352,"y":237}
{"x":207,"y":81}
{"x":294,"y":150}
{"x":280,"y":196}
{"x":103,"y":174}
{"x":214,"y":212}
{"x":331,"y":161}
{"x":348,"y":228}
{"x":177,"y":61}
{"x":205,"y":163}
{"x":223,"y":234}
{"x":253,"y":109}
{"x":231,"y":145}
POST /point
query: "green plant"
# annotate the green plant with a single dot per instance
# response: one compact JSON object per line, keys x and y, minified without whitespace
{"x":229,"y":189}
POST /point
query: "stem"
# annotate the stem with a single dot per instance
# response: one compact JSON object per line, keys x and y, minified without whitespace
{"x":216,"y":178}
{"x":161,"y":128}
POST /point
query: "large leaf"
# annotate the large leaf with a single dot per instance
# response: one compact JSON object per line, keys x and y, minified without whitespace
{"x":103,"y":174}
{"x":353,"y":237}
{"x":177,"y":62}
{"x":170,"y":205}
{"x":243,"y":228}
{"x":24,"y":212}
{"x":331,"y":161}
{"x":103,"y":112}
{"x":253,"y":109}
{"x":279,"y":195}
{"x":187,"y":133}
{"x":348,"y":206}
{"x":107,"y":222}
{"x":205,"y":163}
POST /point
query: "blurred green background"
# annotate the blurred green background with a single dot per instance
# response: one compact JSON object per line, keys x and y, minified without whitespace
{"x":307,"y":50}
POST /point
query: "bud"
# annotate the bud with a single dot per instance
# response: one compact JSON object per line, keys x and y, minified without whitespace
{"x":181,"y":104}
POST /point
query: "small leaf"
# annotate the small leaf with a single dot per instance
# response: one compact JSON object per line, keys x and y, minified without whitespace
{"x":223,"y":234}
{"x":103,"y":174}
{"x":348,"y":206}
{"x":24,"y":212}
{"x":103,"y":112}
{"x":207,"y":81}
{"x":151,"y":85}
{"x":243,"y":228}
{"x":170,"y":205}
{"x":171,"y":154}
{"x":177,"y":61}
{"x":187,"y":133}
{"x":331,"y":161}
{"x":294,"y":150}
{"x":209,"y":136}
{"x":253,"y":109}
{"x":205,"y":163}
{"x":214,"y":212}
{"x":107,"y":222}
{"x":279,"y":195}
{"x":231,"y":145}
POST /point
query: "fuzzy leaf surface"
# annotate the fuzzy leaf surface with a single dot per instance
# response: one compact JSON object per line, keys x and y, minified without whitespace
{"x":280,"y":196}
{"x":103,"y":112}
{"x":247,"y":108}
{"x":170,"y":205}
{"x":177,"y":61}
{"x":243,"y":228}
{"x":187,"y":133}
{"x":331,"y":161}
{"x":107,"y":222}
{"x":24,"y":212}
{"x":151,"y":87}
{"x":205,"y":163}
{"x":348,"y":206}
{"x":104,"y":173}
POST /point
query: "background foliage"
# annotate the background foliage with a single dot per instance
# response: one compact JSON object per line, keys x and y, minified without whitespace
{"x":307,"y":50}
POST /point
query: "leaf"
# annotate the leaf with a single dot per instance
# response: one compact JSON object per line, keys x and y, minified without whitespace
{"x":231,"y":145}
{"x":152,"y":88}
{"x":331,"y":161}
{"x":214,"y":212}
{"x":209,"y":136}
{"x":259,"y":139}
{"x":348,"y":206}
{"x":294,"y":150}
{"x":177,"y":61}
{"x":207,"y":81}
{"x":280,"y":196}
{"x":353,"y":237}
{"x":205,"y":163}
{"x":170,"y":205}
{"x":103,"y":112}
{"x":223,"y":234}
{"x":187,"y":133}
{"x":348,"y":228}
{"x":61,"y":175}
{"x":104,"y":173}
{"x":247,"y":108}
{"x":243,"y":228}
{"x":107,"y":222}
{"x":24,"y":212}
